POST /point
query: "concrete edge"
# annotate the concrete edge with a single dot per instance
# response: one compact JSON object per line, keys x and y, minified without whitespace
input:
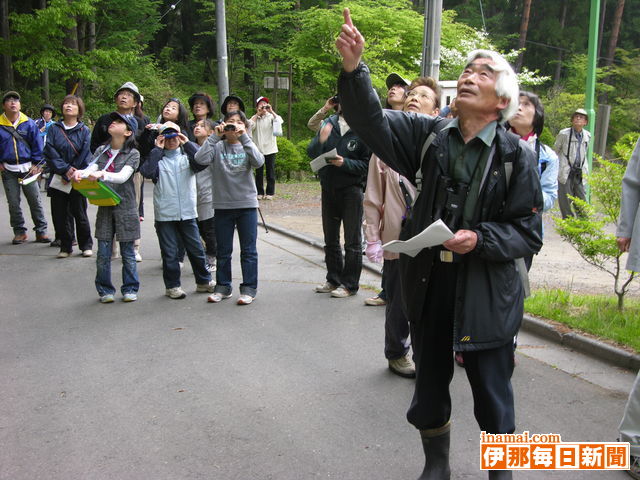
{"x":589,"y":346}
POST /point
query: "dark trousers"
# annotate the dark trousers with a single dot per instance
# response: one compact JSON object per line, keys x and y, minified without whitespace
{"x":177,"y":235}
{"x":65,"y":208}
{"x":396,"y":325}
{"x":270,"y":165}
{"x":343,"y":206}
{"x":573,"y":187}
{"x":488,"y":371}
{"x":208,"y":233}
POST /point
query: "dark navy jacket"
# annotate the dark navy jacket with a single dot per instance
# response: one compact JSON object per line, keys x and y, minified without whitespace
{"x":59,"y":152}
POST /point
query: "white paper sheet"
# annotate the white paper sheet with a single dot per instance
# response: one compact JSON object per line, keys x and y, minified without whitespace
{"x":435,"y":234}
{"x":321,"y":160}
{"x":30,"y":179}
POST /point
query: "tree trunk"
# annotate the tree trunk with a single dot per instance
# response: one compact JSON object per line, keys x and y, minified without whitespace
{"x":615,"y":31}
{"x":613,"y":42}
{"x":603,"y":16}
{"x":524,"y":28}
{"x":563,"y":18}
{"x":91,"y":39}
{"x":6,"y":77}
{"x":72,"y":84}
{"x":44,"y":80}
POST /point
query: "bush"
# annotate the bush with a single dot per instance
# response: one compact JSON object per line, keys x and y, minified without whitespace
{"x":289,"y":159}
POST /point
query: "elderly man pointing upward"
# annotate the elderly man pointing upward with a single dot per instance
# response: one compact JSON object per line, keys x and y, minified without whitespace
{"x":467,"y":293}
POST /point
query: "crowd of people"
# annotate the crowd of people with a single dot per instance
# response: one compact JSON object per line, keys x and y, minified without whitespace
{"x":478,"y":165}
{"x":202,"y":169}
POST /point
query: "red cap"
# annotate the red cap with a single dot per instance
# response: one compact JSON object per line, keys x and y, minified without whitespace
{"x":261,"y":99}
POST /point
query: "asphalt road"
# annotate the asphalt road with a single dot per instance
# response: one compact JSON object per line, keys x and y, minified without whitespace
{"x":292,"y":387}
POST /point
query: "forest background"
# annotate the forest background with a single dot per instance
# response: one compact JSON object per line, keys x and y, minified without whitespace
{"x":51,"y":47}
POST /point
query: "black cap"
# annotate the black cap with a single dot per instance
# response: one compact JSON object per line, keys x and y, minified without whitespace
{"x":130,"y":120}
{"x":223,"y":107}
{"x":46,"y":106}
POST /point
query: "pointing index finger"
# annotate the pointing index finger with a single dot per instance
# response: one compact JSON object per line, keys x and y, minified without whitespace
{"x":347,"y":17}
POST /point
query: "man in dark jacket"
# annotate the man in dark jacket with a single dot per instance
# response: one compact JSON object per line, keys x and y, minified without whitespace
{"x":20,"y":158}
{"x":466,"y":294}
{"x":342,"y":181}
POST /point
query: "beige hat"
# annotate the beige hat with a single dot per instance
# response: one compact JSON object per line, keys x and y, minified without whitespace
{"x":167,"y":127}
{"x":580,"y":111}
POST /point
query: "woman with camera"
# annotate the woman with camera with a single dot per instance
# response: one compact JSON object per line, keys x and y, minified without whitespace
{"x":232,"y":156}
{"x":266,"y":125}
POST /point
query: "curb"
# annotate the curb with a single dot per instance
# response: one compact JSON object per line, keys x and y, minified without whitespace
{"x":587,"y":345}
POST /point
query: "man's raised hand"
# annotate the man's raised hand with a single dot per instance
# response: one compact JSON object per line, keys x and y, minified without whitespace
{"x":350,"y":43}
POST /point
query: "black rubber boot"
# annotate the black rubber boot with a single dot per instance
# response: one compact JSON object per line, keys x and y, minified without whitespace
{"x":500,"y":474}
{"x":435,"y":443}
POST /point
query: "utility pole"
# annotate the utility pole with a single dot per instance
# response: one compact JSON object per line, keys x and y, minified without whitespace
{"x":431,"y":39}
{"x":590,"y":92}
{"x":221,"y":49}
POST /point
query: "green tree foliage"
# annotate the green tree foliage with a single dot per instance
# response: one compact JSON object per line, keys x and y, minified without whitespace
{"x":589,"y":234}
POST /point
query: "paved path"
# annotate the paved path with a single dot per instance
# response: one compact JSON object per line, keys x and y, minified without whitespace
{"x":292,"y":387}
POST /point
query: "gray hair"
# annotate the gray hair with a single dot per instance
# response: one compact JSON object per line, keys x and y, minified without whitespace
{"x":506,"y":81}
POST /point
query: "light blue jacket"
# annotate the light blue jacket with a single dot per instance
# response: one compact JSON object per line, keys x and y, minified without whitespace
{"x":549,"y":177}
{"x":174,"y":193}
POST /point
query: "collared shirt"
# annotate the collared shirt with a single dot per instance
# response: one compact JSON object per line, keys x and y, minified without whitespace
{"x":578,"y":136}
{"x":467,"y":161}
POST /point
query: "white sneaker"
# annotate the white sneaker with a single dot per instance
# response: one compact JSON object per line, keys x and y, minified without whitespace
{"x":211,"y":267}
{"x":375,"y":301}
{"x":138,"y":257}
{"x":341,"y":292}
{"x":206,"y":287}
{"x":62,"y":254}
{"x":217,"y":297}
{"x":268,"y":197}
{"x":326,"y":287}
{"x":108,"y":298}
{"x":245,"y":299}
{"x":176,"y":293}
{"x":403,"y":367}
{"x":87,"y":253}
{"x":129,"y":297}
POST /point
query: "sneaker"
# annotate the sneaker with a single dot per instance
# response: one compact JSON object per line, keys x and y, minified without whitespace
{"x":176,"y":293}
{"x":62,"y":254}
{"x":403,"y":367}
{"x":218,"y":297}
{"x":42,"y":238}
{"x":206,"y":287}
{"x":375,"y":301}
{"x":245,"y":299}
{"x":55,"y":243}
{"x":341,"y":292}
{"x":129,"y":297}
{"x":108,"y":298}
{"x":138,"y":257}
{"x":268,"y":197}
{"x":327,"y":287}
{"x":87,"y":253}
{"x":211,"y":267}
{"x":19,"y":238}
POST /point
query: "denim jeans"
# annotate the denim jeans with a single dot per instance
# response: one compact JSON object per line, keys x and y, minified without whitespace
{"x":343,"y":206}
{"x":175,"y":238}
{"x":246,"y":221}
{"x":270,"y":167}
{"x":130,"y":281}
{"x":32,"y":193}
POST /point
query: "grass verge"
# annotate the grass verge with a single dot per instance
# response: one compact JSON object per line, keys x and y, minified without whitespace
{"x":594,"y":314}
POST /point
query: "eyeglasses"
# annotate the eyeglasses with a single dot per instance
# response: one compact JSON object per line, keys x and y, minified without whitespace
{"x":416,"y":94}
